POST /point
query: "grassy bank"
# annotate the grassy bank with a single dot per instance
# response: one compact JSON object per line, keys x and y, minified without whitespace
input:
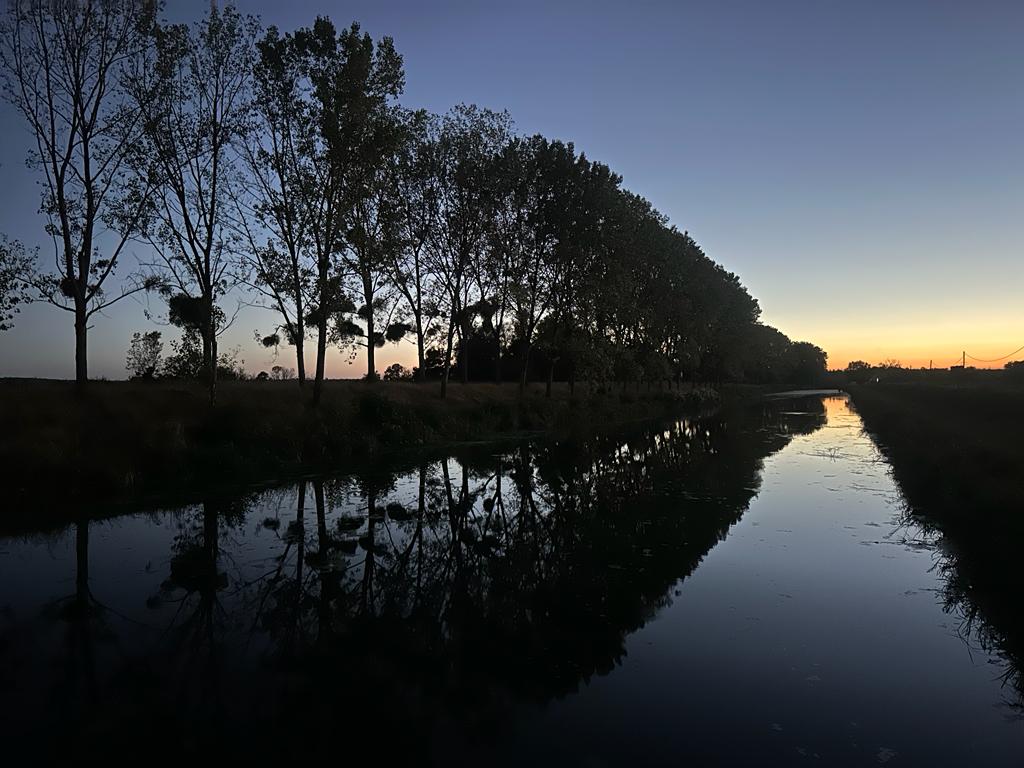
{"x":126,"y":441}
{"x":956,"y":450}
{"x":957,"y":454}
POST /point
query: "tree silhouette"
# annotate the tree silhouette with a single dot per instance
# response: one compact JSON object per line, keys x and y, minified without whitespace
{"x":62,"y":66}
{"x":15,"y":275}
{"x":192,"y":89}
{"x":276,"y":217}
{"x":143,"y":358}
{"x":285,"y":163}
{"x":468,"y":138}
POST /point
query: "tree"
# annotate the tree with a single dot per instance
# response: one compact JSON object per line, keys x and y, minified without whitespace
{"x":416,"y":191}
{"x":368,"y":148}
{"x":280,"y":373}
{"x":468,"y":140}
{"x":397,"y":372}
{"x":62,"y":65}
{"x":1015,"y":369}
{"x":807,"y":363}
{"x":282,"y":196}
{"x":347,"y":84}
{"x":858,"y":371}
{"x":540,"y":192}
{"x":15,"y":275}
{"x":192,"y":88}
{"x":144,"y":353}
{"x":186,"y":358}
{"x":765,"y":360}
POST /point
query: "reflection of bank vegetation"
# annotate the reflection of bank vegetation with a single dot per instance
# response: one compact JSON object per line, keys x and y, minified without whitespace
{"x":447,"y":594}
{"x":138,"y":441}
{"x":957,"y":456}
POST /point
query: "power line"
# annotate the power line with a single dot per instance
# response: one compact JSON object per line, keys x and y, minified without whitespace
{"x":963,"y":357}
{"x":995,"y":359}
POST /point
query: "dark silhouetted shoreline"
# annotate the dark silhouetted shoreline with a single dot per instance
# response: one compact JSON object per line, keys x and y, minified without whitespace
{"x":125,"y":441}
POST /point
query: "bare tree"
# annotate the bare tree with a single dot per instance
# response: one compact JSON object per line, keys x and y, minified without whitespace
{"x":193,"y":90}
{"x":279,"y":198}
{"x":416,"y":193}
{"x":61,"y":66}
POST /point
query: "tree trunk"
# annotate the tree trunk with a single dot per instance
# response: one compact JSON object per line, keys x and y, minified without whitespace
{"x":421,"y":357}
{"x":465,"y":357}
{"x":321,"y":354}
{"x":300,"y":358}
{"x":497,"y":359}
{"x":447,"y":361}
{"x":209,"y":334}
{"x":213,"y":367}
{"x":371,"y":348}
{"x":371,"y":327}
{"x":526,"y":365}
{"x":205,"y":334}
{"x":551,"y":377}
{"x":81,"y":347}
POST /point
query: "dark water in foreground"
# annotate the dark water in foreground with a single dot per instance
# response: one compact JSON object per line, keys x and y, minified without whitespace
{"x":735,"y":590}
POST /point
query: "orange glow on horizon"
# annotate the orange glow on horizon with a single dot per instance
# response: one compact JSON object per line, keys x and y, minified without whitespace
{"x":917,"y":358}
{"x":914,"y":338}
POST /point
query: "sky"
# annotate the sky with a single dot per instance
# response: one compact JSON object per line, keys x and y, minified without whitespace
{"x":860,"y":165}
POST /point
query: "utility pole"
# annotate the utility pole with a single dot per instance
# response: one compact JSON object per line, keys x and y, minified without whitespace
{"x":963,"y":360}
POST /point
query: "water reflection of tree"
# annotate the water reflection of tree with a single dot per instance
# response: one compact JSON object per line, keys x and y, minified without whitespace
{"x":511,"y":576}
{"x":192,"y":649}
{"x":85,"y":617}
{"x":437,"y":600}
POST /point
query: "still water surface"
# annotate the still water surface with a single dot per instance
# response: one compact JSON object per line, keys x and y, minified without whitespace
{"x":740,"y":589}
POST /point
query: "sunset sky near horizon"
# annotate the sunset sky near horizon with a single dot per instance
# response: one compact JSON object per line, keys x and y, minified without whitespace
{"x":859,"y":165}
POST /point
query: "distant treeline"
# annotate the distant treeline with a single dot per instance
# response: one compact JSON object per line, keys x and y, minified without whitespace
{"x":892,"y":371}
{"x":280,"y":169}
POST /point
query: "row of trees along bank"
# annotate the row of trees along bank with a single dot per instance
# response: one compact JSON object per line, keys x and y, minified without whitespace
{"x":280,"y":169}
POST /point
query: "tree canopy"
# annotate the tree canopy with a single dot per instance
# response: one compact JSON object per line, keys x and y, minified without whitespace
{"x":282,"y":168}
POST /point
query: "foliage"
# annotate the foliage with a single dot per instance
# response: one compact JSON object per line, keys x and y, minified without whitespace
{"x":397,"y":372}
{"x":191,"y":88}
{"x":63,"y":66}
{"x":143,"y":359}
{"x":186,"y":358}
{"x":1015,"y":369}
{"x":282,"y":373}
{"x":15,"y":270}
{"x":284,"y":162}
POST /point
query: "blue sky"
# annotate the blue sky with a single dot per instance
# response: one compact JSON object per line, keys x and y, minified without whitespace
{"x":860,"y":165}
